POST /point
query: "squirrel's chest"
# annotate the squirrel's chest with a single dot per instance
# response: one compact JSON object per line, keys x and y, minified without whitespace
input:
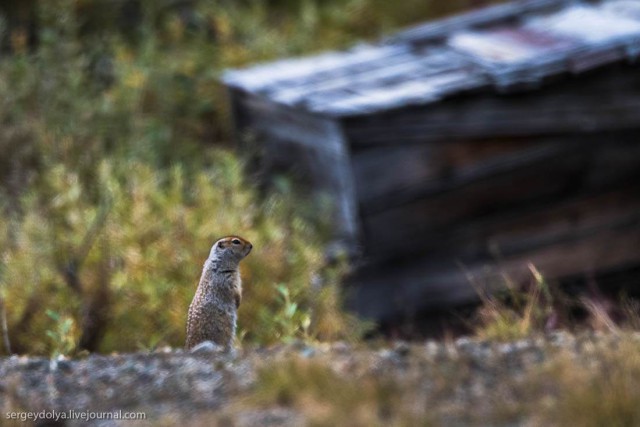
{"x":217,"y":294}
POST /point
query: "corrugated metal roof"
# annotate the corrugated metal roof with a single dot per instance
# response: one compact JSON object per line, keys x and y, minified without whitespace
{"x":507,"y":47}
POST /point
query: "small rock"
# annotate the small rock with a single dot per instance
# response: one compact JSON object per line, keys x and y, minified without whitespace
{"x":340,"y":347}
{"x":165,"y":349}
{"x":432,"y":348}
{"x":206,"y":347}
{"x":402,"y":348}
{"x":307,"y":352}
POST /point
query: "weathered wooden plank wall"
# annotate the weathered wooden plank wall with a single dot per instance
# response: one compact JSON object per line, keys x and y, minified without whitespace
{"x":603,"y":99}
{"x":468,"y":148}
{"x":569,"y":205}
{"x":443,"y":206}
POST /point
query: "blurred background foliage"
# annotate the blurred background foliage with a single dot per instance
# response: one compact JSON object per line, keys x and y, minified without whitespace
{"x":116,"y":173}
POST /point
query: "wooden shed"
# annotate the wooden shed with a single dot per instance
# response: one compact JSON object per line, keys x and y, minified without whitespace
{"x":464,"y":148}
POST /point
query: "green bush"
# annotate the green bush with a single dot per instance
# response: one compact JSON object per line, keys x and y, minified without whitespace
{"x":125,"y":266}
{"x":111,"y":189}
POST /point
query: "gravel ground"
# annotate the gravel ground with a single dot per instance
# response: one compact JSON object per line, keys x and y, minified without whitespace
{"x":464,"y":382}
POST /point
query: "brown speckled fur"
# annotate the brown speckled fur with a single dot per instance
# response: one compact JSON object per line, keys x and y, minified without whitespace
{"x":213,"y":311}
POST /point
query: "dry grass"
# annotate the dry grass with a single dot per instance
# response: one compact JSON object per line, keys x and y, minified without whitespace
{"x":591,"y":380}
{"x":516,"y":313}
{"x":595,"y":384}
{"x":538,"y":307}
{"x":328,"y":398}
{"x":598,"y":389}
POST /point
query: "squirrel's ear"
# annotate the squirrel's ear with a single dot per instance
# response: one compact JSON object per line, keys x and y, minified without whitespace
{"x":221,"y":244}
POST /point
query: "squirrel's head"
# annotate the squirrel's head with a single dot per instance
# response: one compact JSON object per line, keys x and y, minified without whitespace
{"x":230,"y":249}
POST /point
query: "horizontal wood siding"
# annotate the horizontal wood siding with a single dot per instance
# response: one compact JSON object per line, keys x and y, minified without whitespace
{"x":606,"y":99}
{"x":467,"y":213}
{"x":389,"y":176}
{"x":460,"y":209}
{"x":384,"y":291}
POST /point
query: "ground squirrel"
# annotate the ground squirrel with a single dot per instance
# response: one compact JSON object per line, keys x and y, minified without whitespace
{"x":213,"y":311}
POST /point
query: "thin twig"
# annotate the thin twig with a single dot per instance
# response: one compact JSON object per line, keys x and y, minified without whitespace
{"x":71,"y":269}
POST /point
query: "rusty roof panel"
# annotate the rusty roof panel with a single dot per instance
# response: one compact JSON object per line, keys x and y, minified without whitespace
{"x":507,"y":47}
{"x":425,"y":78}
{"x":300,"y":70}
{"x":590,"y":24}
{"x":488,"y":16}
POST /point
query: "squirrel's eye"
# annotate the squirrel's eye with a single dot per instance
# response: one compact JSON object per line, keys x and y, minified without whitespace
{"x":235,"y":241}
